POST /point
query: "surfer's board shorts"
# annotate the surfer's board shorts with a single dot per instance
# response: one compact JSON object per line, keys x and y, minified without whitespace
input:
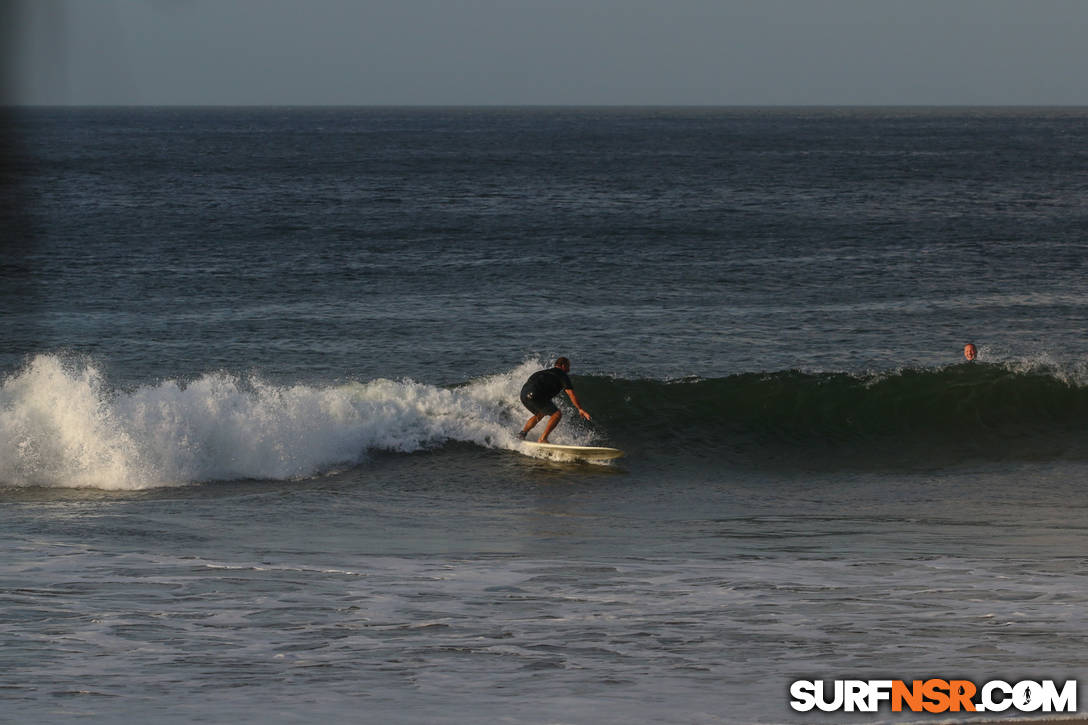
{"x":536,"y":406}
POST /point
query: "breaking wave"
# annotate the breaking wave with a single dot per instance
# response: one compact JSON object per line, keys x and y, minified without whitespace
{"x":61,"y":424}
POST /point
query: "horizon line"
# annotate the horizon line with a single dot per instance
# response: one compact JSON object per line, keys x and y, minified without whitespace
{"x":554,"y":105}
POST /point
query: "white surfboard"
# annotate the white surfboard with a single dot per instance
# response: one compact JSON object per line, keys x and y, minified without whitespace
{"x":573,"y":453}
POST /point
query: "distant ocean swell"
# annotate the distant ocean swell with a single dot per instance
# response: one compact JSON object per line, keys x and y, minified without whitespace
{"x":62,"y":425}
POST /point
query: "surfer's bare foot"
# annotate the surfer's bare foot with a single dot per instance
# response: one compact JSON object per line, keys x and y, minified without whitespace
{"x":521,"y":434}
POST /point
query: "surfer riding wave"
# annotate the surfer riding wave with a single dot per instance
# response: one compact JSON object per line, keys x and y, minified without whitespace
{"x":537,"y":394}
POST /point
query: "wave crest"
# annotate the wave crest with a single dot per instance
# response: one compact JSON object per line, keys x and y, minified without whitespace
{"x":60,"y":425}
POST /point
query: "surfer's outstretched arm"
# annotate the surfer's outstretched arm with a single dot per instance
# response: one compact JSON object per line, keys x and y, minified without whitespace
{"x":581,"y":410}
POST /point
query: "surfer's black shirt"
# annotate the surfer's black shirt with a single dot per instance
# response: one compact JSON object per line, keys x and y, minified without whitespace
{"x":547,"y":384}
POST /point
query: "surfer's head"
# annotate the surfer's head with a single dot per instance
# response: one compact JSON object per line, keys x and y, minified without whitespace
{"x":970,"y":351}
{"x":563,"y":364}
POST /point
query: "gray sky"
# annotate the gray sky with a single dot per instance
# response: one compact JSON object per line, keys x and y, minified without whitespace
{"x":632,"y":52}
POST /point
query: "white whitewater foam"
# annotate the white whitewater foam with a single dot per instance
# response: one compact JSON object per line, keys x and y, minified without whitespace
{"x":61,"y":425}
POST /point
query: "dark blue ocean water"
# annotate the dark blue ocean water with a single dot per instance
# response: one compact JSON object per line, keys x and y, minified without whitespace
{"x":448,"y":244}
{"x":259,"y":390}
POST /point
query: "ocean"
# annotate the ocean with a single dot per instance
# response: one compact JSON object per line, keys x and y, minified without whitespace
{"x":259,"y":374}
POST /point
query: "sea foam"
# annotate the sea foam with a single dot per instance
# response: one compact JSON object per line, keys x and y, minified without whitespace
{"x":62,"y":425}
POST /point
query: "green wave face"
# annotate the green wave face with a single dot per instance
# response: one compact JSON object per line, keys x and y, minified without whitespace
{"x":907,"y":417}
